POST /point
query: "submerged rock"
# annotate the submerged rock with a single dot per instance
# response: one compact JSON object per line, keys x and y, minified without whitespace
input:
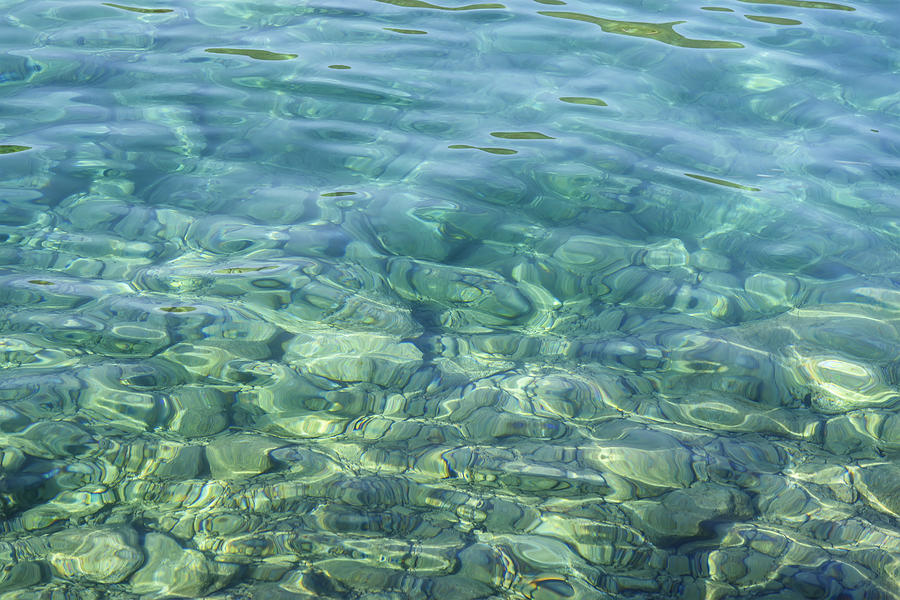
{"x":175,"y":572}
{"x":99,"y":555}
{"x":486,"y":298}
{"x":355,"y":357}
{"x":684,"y":514}
{"x":879,"y":485}
{"x":240,"y":456}
{"x":68,"y":505}
{"x":653,"y":460}
{"x":19,"y":574}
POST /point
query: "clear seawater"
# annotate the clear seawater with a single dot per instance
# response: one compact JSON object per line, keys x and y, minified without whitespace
{"x":402,"y":299}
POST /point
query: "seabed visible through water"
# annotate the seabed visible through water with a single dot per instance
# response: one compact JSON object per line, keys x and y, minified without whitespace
{"x":389,"y":300}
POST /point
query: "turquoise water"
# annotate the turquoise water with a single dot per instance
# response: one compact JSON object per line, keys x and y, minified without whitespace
{"x":392,"y":299}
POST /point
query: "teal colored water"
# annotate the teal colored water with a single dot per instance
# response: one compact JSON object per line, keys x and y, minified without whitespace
{"x":393,"y":299}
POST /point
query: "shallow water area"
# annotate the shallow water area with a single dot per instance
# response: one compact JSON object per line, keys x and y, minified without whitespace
{"x":393,"y":299}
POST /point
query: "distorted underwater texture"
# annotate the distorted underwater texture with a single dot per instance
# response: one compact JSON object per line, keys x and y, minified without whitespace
{"x":408,"y":300}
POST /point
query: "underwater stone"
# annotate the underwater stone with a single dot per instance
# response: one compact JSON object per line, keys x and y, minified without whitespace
{"x":203,"y":358}
{"x":643,"y":288}
{"x":240,"y":456}
{"x":406,"y":225}
{"x":366,"y":314}
{"x":19,"y":574}
{"x":706,"y":260}
{"x":681,"y":514}
{"x":101,"y":555}
{"x":596,"y":254}
{"x":55,"y":439}
{"x":29,"y":351}
{"x":197,"y":411}
{"x":270,"y":204}
{"x":275,"y":591}
{"x":273,"y":569}
{"x":174,"y":572}
{"x":133,"y":339}
{"x":854,"y":432}
{"x":606,"y":539}
{"x":12,"y":420}
{"x":767,"y":292}
{"x":562,"y":394}
{"x":230,"y":235}
{"x":739,"y":566}
{"x":889,"y":433}
{"x":124,"y":410}
{"x":11,"y":460}
{"x":331,"y":305}
{"x":730,"y":412}
{"x":666,"y":255}
{"x":316,"y":239}
{"x":167,"y":460}
{"x":490,"y":299}
{"x":644,"y":456}
{"x":68,"y":505}
{"x":352,"y":358}
{"x":63,"y":292}
{"x":879,"y":485}
{"x":486,"y":425}
{"x":834,"y":385}
{"x":243,"y":333}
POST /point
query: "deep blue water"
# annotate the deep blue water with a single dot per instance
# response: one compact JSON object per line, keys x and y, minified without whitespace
{"x":387,"y":300}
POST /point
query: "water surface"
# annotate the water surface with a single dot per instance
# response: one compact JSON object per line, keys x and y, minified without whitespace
{"x":390,"y":299}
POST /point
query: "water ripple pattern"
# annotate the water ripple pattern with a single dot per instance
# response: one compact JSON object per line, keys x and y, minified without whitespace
{"x":451,"y":300}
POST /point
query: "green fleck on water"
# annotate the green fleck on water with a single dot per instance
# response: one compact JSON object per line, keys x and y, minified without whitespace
{"x":661,"y":32}
{"x":583,"y":100}
{"x":232,"y":270}
{"x":483,"y":149}
{"x":9,"y":149}
{"x":421,"y":4}
{"x":520,"y":135}
{"x":257,"y":54}
{"x":722,"y":182}
{"x":803,"y":4}
{"x":774,"y":20}
{"x":406,"y":31}
{"x":545,"y":300}
{"x":136,"y":9}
